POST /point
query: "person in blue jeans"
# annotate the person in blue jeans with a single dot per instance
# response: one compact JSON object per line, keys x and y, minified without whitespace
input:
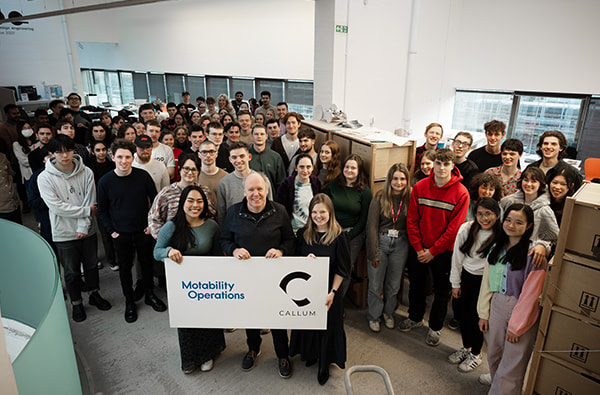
{"x":387,"y":246}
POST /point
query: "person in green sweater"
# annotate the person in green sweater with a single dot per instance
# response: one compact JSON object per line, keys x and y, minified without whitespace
{"x":351,"y":197}
{"x":192,"y":233}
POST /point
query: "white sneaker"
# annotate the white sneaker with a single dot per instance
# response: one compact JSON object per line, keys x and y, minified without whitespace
{"x":433,"y":338}
{"x":207,"y":366}
{"x":389,"y":321}
{"x":485,"y":379}
{"x":470,"y":363}
{"x":458,"y":356}
{"x":374,"y":326}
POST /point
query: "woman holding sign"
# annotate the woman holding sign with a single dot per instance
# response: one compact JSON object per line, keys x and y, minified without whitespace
{"x":323,"y":236}
{"x":191,"y":232}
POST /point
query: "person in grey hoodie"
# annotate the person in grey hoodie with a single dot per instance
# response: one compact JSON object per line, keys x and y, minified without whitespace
{"x":532,"y":191}
{"x":67,"y":187}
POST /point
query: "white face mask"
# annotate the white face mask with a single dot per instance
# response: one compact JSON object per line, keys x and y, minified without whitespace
{"x":27,"y":133}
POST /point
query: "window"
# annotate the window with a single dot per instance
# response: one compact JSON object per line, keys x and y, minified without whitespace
{"x":244,"y":85}
{"x":127,"y":90}
{"x":273,"y":86}
{"x":113,"y":88}
{"x":472,"y":109}
{"x":537,"y":114}
{"x":124,"y":87}
{"x":195,"y":85}
{"x":174,"y":87}
{"x":589,"y":142}
{"x":527,"y":114}
{"x":100,"y":87}
{"x":140,"y":86}
{"x":299,"y":96}
{"x":299,"y":92}
{"x":217,"y":85}
{"x":156,"y":82}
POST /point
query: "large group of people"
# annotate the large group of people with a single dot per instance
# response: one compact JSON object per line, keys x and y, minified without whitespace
{"x":224,"y":177}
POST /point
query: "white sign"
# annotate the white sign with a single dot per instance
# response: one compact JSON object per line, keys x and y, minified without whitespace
{"x":224,"y":292}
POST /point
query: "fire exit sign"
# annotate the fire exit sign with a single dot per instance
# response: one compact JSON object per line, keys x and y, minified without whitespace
{"x":341,"y":28}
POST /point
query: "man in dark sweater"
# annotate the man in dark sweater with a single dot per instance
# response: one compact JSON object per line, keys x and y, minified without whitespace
{"x":259,"y":227}
{"x":490,"y":155}
{"x":461,"y":145}
{"x":124,"y":197}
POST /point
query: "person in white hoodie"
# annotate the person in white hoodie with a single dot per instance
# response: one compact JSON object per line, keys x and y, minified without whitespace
{"x":67,"y":187}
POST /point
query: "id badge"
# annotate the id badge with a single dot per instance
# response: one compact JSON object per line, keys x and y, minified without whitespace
{"x":393,"y":232}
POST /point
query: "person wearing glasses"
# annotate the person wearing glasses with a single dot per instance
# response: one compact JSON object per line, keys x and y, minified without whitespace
{"x":490,"y":155}
{"x":215,"y":133}
{"x":210,"y":174}
{"x":166,"y":201}
{"x":461,"y":145}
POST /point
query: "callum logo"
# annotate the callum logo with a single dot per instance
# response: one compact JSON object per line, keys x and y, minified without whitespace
{"x":13,"y":14}
{"x":293,"y":276}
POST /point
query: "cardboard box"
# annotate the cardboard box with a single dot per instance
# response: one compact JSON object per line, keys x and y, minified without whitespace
{"x":578,"y":285}
{"x":583,"y":233}
{"x":554,"y":378}
{"x":575,"y":339}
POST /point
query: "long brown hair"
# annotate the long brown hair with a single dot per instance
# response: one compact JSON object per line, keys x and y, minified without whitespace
{"x":334,"y":167}
{"x":362,"y":180}
{"x":385,"y":195}
{"x":333,"y":227}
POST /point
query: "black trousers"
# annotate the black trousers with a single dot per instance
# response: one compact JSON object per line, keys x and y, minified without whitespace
{"x":126,"y":245}
{"x":469,"y":319}
{"x":280,"y":341}
{"x":417,"y":292}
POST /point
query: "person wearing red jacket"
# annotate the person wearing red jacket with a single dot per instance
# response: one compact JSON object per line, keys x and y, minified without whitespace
{"x":438,"y":207}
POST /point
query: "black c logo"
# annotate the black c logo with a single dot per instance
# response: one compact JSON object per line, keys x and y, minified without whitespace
{"x":292,"y":276}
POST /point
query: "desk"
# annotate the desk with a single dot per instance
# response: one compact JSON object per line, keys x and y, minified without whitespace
{"x":378,"y":154}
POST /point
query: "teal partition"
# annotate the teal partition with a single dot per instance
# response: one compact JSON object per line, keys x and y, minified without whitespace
{"x":30,"y":292}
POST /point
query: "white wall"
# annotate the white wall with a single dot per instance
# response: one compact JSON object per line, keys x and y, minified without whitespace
{"x":536,"y":45}
{"x":539,"y":45}
{"x":35,"y":56}
{"x":266,"y":38}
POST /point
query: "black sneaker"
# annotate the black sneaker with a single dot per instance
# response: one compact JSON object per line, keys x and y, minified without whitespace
{"x":454,"y":324}
{"x":249,"y":360}
{"x":78,"y":313}
{"x":99,"y":301}
{"x":285,"y":368}
{"x":131,"y":312}
{"x":155,"y":302}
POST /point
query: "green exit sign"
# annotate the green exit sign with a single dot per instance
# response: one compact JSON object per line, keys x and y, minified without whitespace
{"x":341,"y":29}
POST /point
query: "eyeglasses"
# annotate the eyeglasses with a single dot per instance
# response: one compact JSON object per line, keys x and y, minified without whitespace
{"x":189,"y":169}
{"x":461,"y":144}
{"x":209,"y":152}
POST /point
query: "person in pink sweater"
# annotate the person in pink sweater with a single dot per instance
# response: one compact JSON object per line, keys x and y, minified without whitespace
{"x":508,"y":306}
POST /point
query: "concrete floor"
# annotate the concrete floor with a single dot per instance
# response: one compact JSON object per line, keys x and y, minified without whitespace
{"x":143,"y":358}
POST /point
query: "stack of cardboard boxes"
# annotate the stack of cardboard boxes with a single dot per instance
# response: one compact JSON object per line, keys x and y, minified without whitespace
{"x":566,"y":358}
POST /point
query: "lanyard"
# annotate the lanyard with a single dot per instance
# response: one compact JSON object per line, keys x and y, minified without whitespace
{"x":395,"y":216}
